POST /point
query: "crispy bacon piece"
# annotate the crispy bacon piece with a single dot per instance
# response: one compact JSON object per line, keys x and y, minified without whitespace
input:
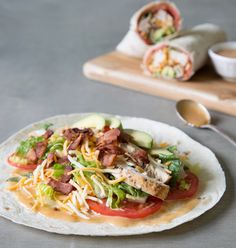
{"x":76,"y":142}
{"x":40,"y":149}
{"x":48,"y":134}
{"x":108,"y":147}
{"x":51,"y":157}
{"x":106,"y":159}
{"x":63,"y":160}
{"x":112,"y":149}
{"x":108,"y":137}
{"x":141,"y":157}
{"x":76,"y":136}
{"x":73,"y":133}
{"x":65,"y":177}
{"x":64,"y":188}
{"x":31,"y":156}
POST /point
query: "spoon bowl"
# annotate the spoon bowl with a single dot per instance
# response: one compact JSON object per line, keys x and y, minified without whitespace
{"x":195,"y":114}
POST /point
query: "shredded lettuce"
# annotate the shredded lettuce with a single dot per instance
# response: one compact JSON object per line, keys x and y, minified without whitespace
{"x":85,"y":163}
{"x":137,"y":193}
{"x":58,"y":170}
{"x":165,"y":158}
{"x":45,"y":190}
{"x":175,"y":167}
{"x":26,"y":145}
{"x":115,"y":196}
{"x":55,"y":143}
{"x":172,"y":148}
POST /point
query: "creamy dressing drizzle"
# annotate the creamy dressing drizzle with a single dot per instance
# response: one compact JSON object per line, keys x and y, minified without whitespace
{"x":168,"y":212}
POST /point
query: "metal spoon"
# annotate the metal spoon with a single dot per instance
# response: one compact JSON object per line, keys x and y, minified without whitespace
{"x":196,"y":115}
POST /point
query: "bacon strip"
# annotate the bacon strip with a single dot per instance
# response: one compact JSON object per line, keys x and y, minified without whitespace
{"x":65,"y":177}
{"x":64,"y":188}
{"x":40,"y":148}
{"x":141,"y":157}
{"x":31,"y":156}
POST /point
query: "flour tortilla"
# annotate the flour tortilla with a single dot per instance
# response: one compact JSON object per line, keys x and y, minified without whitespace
{"x":194,"y":42}
{"x":132,"y":44}
{"x":212,"y":181}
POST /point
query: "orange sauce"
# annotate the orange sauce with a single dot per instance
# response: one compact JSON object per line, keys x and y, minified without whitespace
{"x":193,"y":114}
{"x":168,"y":212}
{"x":228,"y":52}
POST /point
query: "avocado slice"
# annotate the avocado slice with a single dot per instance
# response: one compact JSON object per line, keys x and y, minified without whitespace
{"x":140,"y":138}
{"x":91,"y":121}
{"x":168,"y":72}
{"x":113,"y":122}
{"x":157,"y":35}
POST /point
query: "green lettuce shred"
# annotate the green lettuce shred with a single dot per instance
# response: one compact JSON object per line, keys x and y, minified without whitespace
{"x":85,"y":163}
{"x":137,"y":193}
{"x":26,"y":145}
{"x":45,"y":190}
{"x":175,"y":167}
{"x":115,"y":196}
{"x":58,"y":170}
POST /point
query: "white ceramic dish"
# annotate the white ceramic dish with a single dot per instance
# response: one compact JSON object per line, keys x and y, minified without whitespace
{"x":224,"y":66}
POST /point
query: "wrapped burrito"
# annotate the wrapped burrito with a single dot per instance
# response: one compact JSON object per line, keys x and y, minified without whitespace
{"x":180,"y":58}
{"x":151,"y":24}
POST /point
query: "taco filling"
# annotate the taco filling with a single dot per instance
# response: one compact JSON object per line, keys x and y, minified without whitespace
{"x":96,"y":166}
{"x":168,"y":62}
{"x":158,"y":22}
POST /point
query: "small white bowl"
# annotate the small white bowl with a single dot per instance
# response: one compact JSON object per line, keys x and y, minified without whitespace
{"x":224,"y":66}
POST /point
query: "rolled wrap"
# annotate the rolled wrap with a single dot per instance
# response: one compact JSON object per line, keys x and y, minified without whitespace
{"x":133,"y":44}
{"x":194,"y":43}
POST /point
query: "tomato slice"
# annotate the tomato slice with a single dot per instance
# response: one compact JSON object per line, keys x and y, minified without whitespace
{"x":178,"y":194}
{"x":131,"y":210}
{"x":22,"y":166}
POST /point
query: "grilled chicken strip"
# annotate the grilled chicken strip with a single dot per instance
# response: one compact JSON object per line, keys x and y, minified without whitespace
{"x":141,"y":181}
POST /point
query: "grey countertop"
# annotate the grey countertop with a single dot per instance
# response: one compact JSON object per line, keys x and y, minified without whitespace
{"x":43,"y":45}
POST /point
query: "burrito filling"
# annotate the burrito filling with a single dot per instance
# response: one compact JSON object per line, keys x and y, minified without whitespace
{"x":154,"y":26}
{"x":169,"y":62}
{"x":96,"y":166}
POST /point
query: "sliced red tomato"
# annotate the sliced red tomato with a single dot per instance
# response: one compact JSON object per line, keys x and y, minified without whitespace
{"x":22,"y":166}
{"x":179,"y":194}
{"x":131,"y":210}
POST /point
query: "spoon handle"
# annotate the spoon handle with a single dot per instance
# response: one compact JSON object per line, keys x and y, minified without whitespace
{"x":224,"y":135}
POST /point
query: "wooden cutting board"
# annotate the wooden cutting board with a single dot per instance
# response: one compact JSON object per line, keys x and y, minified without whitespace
{"x":206,"y":87}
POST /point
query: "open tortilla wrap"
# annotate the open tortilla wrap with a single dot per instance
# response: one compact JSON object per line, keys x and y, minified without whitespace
{"x":194,"y":43}
{"x":211,"y":176}
{"x":133,"y":44}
